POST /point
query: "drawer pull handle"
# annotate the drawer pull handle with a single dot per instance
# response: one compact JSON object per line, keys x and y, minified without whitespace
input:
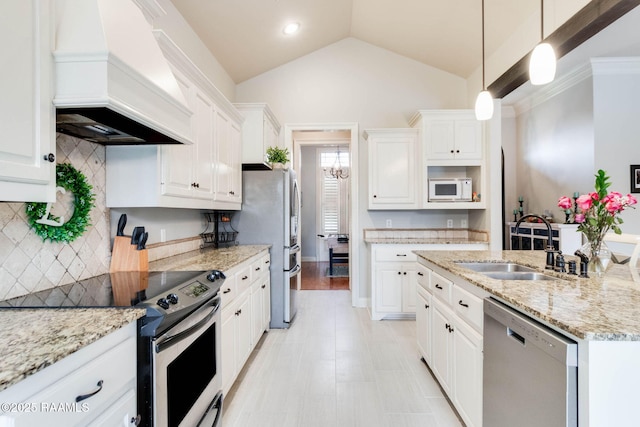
{"x":463,"y":304}
{"x":263,"y":286}
{"x":226,"y":291}
{"x":267,"y":262}
{"x":420,"y":273}
{"x":257,"y":268}
{"x":239,"y":312}
{"x":93,"y":393}
{"x":245,"y":277}
{"x":401,"y":254}
{"x":426,"y":306}
{"x":438,"y":286}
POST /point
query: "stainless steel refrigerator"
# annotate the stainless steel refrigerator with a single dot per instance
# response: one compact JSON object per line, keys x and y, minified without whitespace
{"x":269,"y":215}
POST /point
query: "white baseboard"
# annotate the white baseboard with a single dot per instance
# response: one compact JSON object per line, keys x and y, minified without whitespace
{"x":309,"y":259}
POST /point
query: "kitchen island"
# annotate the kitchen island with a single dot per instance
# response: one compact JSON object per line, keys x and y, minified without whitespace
{"x":601,"y":314}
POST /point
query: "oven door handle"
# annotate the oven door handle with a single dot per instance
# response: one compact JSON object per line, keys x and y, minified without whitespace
{"x":164,"y":343}
{"x":216,"y":404}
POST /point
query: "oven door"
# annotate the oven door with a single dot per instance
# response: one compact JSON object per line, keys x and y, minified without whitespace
{"x":186,"y":371}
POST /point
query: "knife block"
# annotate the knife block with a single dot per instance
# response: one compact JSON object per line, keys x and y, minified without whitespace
{"x":125,"y":256}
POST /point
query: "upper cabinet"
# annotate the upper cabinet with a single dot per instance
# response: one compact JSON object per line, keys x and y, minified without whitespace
{"x":205,"y":175}
{"x":393,"y":168}
{"x":27,"y":146}
{"x":260,"y":130}
{"x":450,"y":136}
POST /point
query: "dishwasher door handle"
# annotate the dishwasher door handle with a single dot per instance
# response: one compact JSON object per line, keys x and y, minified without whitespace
{"x":513,"y":334}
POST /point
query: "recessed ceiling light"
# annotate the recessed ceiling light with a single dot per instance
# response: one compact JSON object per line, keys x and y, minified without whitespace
{"x":291,"y":28}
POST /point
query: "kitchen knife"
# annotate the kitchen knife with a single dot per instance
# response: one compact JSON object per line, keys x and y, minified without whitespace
{"x":121,"y":224}
{"x":136,"y":234}
{"x":143,"y":241}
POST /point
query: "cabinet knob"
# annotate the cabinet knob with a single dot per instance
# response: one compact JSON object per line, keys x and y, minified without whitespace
{"x":50,"y":157}
{"x":452,"y":151}
{"x":374,"y":196}
{"x":405,"y":273}
{"x":263,"y":286}
{"x":426,"y":306}
{"x":232,"y":192}
{"x":399,"y":272}
{"x":457,"y":151}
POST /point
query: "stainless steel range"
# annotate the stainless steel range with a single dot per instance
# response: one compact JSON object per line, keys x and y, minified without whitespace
{"x":179,"y":381}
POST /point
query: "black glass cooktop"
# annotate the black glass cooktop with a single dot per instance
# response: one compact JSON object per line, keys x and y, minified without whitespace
{"x":122,"y":289}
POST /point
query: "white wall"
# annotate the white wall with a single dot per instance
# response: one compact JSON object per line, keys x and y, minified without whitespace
{"x":353,"y":81}
{"x":308,"y":196}
{"x":616,"y":93}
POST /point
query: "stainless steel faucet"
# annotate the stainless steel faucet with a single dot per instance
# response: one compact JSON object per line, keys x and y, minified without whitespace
{"x":550,"y":250}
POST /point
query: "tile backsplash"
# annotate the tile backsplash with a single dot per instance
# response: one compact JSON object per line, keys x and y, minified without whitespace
{"x":27,"y":264}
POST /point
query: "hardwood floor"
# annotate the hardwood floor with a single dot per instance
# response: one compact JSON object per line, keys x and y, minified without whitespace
{"x":314,"y":277}
{"x":336,"y":367}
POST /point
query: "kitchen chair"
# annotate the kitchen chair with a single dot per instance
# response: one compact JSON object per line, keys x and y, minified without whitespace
{"x":632,"y":239}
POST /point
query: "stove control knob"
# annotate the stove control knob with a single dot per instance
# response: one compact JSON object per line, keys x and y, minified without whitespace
{"x":162,"y":302}
{"x":215,"y":275}
{"x":172,"y":298}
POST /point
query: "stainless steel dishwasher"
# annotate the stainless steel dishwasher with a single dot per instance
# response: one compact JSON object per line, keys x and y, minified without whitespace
{"x":530,"y":372}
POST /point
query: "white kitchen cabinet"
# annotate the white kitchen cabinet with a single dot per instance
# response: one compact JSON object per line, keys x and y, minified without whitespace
{"x":394,"y":176}
{"x":228,"y":187}
{"x":187,"y":170}
{"x":442,"y":344}
{"x":450,"y":136}
{"x":261,"y":279}
{"x":242,"y":306}
{"x":394,"y":274}
{"x":424,"y":310}
{"x":467,"y":372}
{"x":449,"y":336}
{"x":107,"y":367}
{"x":27,"y":146}
{"x":260,"y":131}
{"x":205,"y":175}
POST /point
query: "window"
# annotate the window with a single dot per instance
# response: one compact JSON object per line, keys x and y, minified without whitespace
{"x":334,"y":195}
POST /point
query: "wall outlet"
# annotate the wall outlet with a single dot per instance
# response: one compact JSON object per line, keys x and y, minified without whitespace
{"x":163,"y":235}
{"x":464,"y":224}
{"x":449,"y":223}
{"x":389,"y":223}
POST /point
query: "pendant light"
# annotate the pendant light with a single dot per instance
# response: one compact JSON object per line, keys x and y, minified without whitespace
{"x":337,"y":170}
{"x":484,"y":101}
{"x":542,"y":65}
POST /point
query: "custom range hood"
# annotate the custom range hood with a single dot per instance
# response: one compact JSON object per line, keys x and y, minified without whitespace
{"x":113,"y":84}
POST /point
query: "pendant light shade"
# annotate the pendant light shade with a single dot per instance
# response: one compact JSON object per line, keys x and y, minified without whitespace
{"x":484,"y":101}
{"x":484,"y":106}
{"x":542,"y":65}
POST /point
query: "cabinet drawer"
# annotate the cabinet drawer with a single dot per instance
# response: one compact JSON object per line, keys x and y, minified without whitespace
{"x":395,"y":254}
{"x":110,"y":373}
{"x":243,"y":279}
{"x":441,"y":287}
{"x":468,"y":307}
{"x":257,"y":269}
{"x":229,"y":290}
{"x":423,"y":276}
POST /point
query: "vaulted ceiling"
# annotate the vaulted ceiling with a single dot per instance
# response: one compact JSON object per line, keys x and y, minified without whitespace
{"x":246,"y":36}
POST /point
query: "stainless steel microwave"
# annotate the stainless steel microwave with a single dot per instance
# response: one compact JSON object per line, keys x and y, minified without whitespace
{"x":450,"y":190}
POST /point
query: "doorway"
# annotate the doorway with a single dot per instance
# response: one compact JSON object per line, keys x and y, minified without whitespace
{"x":317,"y":139}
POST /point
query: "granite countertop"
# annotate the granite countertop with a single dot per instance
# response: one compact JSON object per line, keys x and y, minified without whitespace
{"x":209,"y":258}
{"x":597,"y":309}
{"x":32,"y":339}
{"x":425,"y":236}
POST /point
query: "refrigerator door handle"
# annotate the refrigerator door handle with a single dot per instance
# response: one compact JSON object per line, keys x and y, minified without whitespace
{"x":295,"y":271}
{"x":293,"y":249}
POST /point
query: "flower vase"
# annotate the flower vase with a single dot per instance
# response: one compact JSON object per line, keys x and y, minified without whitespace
{"x":599,"y":257}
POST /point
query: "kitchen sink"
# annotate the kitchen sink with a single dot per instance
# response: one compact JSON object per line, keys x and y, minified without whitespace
{"x":506,"y":267}
{"x":518,"y":275}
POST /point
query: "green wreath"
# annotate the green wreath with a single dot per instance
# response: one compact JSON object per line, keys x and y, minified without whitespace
{"x":44,"y":223}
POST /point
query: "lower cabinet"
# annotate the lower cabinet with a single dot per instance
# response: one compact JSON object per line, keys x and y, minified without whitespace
{"x":243,"y":319}
{"x":394,"y":277}
{"x":449,"y":337}
{"x":104,"y":373}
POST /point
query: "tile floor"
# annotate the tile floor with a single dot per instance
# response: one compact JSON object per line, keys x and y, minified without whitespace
{"x":336,"y":367}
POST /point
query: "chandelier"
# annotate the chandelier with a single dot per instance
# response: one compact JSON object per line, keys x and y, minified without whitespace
{"x":337,"y":170}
